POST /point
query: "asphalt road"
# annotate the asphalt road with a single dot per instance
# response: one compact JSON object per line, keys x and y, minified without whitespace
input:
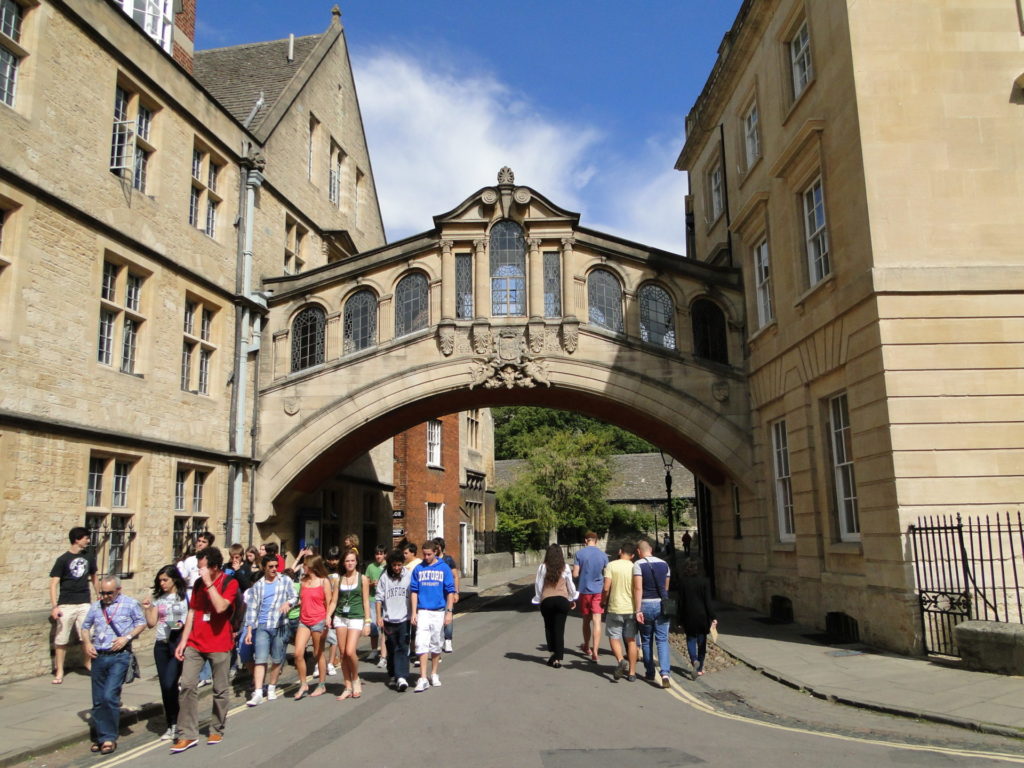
{"x":500,"y":705}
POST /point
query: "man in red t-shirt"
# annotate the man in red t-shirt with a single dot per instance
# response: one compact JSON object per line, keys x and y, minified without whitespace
{"x":207,"y":636}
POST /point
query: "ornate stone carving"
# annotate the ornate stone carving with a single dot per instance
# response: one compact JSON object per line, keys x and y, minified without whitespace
{"x":291,"y":405}
{"x":489,"y":196}
{"x":535,"y":336}
{"x":446,"y":339}
{"x":505,"y":176}
{"x":508,"y":365}
{"x":720,"y":390}
{"x":522,"y":195}
{"x":481,"y":336}
{"x":446,"y":245}
{"x":570,"y":336}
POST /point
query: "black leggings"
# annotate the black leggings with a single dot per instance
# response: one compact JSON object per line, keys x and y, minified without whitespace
{"x":169,"y":671}
{"x":555,"y":610}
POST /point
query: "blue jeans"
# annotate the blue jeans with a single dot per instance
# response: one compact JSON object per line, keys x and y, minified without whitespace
{"x":654,"y":629}
{"x":698,"y":648}
{"x":396,"y":640}
{"x":108,"y":671}
{"x":269,"y":644}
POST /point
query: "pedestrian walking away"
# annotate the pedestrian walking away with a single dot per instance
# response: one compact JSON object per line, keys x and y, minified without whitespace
{"x":697,"y":615}
{"x":650,"y":587}
{"x":589,"y":575}
{"x":70,"y":577}
{"x":378,"y":650}
{"x":432,"y":595}
{"x":393,"y":617}
{"x":207,"y":636}
{"x":556,"y":594}
{"x":166,"y":612}
{"x":351,"y":622}
{"x":620,"y":620}
{"x":110,"y":626}
{"x":266,"y":620}
{"x":316,"y":605}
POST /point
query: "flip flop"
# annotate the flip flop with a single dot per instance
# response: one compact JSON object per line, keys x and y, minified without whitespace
{"x":320,"y":690}
{"x":108,"y":748}
{"x":301,"y":694}
{"x":94,"y":748}
{"x":57,"y":681}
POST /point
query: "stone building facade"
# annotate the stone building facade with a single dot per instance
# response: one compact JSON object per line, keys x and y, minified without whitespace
{"x":856,"y":160}
{"x":145,"y":190}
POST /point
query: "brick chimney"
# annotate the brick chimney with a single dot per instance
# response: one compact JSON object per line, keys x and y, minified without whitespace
{"x":184,"y":32}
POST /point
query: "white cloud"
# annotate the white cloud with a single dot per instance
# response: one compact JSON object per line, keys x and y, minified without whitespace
{"x":436,"y":135}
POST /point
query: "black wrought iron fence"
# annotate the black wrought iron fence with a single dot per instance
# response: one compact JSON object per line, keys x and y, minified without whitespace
{"x":966,"y":569}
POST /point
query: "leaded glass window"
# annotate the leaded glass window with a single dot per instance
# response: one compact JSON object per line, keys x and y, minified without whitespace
{"x":709,"y":339}
{"x":552,"y":284}
{"x":508,"y":269}
{"x":360,"y":321}
{"x":411,"y":304}
{"x":604,"y":296}
{"x":464,"y":286}
{"x":308,"y":338}
{"x":656,"y":326}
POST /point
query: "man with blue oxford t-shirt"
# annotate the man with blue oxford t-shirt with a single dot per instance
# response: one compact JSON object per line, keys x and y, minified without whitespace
{"x":431,"y":597}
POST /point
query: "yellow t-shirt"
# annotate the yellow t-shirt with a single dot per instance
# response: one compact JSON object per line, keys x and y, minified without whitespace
{"x":620,"y":597}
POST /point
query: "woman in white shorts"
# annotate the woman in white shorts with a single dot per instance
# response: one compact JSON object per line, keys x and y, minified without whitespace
{"x":351,"y":621}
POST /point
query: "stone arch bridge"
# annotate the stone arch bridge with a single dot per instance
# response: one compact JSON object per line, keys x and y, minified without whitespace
{"x":506,"y":300}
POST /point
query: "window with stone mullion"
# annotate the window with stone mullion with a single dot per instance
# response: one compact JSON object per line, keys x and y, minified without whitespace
{"x":507,"y":249}
{"x":411,"y":304}
{"x":308,"y":333}
{"x":604,"y":297}
{"x":656,"y":323}
{"x":360,"y":321}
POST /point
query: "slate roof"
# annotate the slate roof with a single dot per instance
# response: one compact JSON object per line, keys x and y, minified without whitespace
{"x":235,"y":76}
{"x":636,"y":477}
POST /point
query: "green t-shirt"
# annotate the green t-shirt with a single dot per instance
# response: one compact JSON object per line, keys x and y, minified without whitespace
{"x":373,"y":572}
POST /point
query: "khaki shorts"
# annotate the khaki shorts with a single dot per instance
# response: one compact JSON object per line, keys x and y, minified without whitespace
{"x":70,"y":616}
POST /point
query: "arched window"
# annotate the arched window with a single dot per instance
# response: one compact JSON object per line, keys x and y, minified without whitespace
{"x":604,"y":295}
{"x":656,"y":326}
{"x":508,"y":269}
{"x":709,"y":337}
{"x":411,"y":304}
{"x":360,"y":321}
{"x":308,"y":338}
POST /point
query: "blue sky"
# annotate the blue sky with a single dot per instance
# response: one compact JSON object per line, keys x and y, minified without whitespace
{"x":584,"y":100}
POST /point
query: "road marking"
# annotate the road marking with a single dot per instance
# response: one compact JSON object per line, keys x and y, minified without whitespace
{"x":692,"y":701}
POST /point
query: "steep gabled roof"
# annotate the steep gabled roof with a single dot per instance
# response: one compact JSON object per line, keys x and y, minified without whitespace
{"x":236,"y":76}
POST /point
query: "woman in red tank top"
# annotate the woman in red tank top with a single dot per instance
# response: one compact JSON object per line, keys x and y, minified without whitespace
{"x":316,"y":603}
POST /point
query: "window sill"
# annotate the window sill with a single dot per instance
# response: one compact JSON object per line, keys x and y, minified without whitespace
{"x":784,"y":546}
{"x":435,"y":466}
{"x":712,"y":223}
{"x":799,"y":99}
{"x":749,"y":170}
{"x":829,"y":281}
{"x":845,"y":548}
{"x":771,"y":326}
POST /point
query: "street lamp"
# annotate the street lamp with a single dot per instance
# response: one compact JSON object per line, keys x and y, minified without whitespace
{"x":667,"y":461}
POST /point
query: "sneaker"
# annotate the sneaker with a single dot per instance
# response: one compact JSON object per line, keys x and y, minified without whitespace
{"x":271,"y":693}
{"x":630,"y":678}
{"x":331,"y":669}
{"x":435,"y":681}
{"x":256,"y":700}
{"x":665,"y":682}
{"x":171,"y":734}
{"x":417,"y":662}
{"x":382,"y":663}
{"x":215,"y":738}
{"x":447,"y":646}
{"x":201,"y":683}
{"x":621,"y":669}
{"x":401,"y":685}
{"x":182,"y":744}
{"x":421,"y":685}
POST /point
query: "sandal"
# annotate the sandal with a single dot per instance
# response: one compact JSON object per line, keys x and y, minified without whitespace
{"x":345,"y":694}
{"x":95,"y":747}
{"x":302,"y":693}
{"x":57,"y":681}
{"x":321,"y":689}
{"x":108,"y":747}
{"x":357,"y":691}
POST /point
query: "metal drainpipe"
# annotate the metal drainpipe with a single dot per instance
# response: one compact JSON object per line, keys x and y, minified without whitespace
{"x":725,"y":191}
{"x":253,"y":180}
{"x":254,"y":432}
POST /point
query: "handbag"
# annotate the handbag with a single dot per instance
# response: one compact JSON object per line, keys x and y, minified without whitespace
{"x":713,"y":633}
{"x":133,"y":672}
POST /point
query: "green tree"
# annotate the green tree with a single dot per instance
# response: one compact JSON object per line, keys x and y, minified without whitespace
{"x":520,"y":429}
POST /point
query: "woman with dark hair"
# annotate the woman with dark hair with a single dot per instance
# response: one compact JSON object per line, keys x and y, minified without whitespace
{"x":696,"y":613}
{"x":167,"y":612}
{"x":316,"y":604}
{"x":556,"y":594}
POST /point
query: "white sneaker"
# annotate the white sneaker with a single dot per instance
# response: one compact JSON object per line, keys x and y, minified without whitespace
{"x":170,"y":735}
{"x":402,"y":684}
{"x":256,"y":700}
{"x":447,"y":646}
{"x":271,"y":693}
{"x":382,"y":662}
{"x":421,"y":685}
{"x":435,"y":681}
{"x":201,"y":683}
{"x":331,"y":669}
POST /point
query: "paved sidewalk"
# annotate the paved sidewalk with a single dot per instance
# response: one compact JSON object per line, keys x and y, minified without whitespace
{"x":36,"y":717}
{"x":856,"y":675}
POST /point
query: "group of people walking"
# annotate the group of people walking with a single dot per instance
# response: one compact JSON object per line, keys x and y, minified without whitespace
{"x":210,"y":615}
{"x":635,"y":594}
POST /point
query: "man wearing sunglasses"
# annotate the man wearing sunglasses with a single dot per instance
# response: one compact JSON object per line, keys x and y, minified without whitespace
{"x":110,"y":626}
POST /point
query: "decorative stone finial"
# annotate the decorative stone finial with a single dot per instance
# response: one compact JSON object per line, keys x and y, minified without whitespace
{"x":505,"y":176}
{"x":335,"y":14}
